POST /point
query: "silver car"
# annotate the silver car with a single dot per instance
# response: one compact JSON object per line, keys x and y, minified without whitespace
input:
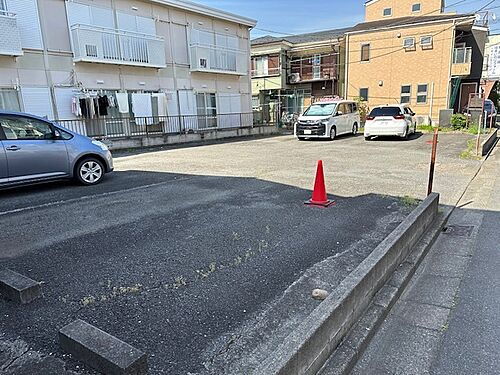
{"x":33,"y":149}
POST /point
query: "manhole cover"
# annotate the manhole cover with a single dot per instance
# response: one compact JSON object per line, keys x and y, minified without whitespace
{"x":459,"y":230}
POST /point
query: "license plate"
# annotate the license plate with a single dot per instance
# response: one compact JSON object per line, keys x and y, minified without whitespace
{"x":307,"y":132}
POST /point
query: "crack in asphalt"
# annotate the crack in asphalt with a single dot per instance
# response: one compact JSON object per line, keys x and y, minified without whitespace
{"x":14,"y":360}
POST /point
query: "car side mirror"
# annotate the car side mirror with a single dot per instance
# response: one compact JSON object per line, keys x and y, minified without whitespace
{"x":56,"y":134}
{"x":412,"y":114}
{"x":339,"y":113}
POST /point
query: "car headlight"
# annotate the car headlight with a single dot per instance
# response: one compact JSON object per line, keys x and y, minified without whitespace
{"x":101,"y":145}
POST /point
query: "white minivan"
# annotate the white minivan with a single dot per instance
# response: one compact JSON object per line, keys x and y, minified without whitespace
{"x":328,"y":119}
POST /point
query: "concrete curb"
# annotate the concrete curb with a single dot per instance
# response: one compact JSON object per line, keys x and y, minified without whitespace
{"x":153,"y":140}
{"x":345,"y":357}
{"x":306,"y":350}
{"x":489,"y":143}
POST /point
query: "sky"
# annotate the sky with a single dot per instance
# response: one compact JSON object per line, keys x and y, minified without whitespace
{"x":302,"y":16}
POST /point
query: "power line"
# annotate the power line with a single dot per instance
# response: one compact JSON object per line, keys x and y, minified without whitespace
{"x":317,"y":31}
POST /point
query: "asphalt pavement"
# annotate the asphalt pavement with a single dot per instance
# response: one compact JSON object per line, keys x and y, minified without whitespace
{"x":199,"y":256}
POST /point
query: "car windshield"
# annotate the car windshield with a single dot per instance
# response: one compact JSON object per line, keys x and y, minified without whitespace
{"x":320,"y":109}
{"x":385,"y":111}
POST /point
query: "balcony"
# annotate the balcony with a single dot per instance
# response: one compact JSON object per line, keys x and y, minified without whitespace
{"x":270,"y":72}
{"x":310,"y":69}
{"x":214,"y":59}
{"x":110,"y":46}
{"x":10,"y":42}
{"x":462,"y":61}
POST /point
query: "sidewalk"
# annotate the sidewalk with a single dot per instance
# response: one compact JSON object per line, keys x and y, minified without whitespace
{"x":448,"y":319}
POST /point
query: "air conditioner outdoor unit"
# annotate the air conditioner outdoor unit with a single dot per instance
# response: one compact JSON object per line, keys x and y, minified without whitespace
{"x":294,"y":77}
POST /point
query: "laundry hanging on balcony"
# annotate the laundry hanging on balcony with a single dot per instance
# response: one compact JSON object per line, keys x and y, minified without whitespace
{"x":142,"y":109}
{"x":162,"y":103}
{"x":122,"y":102}
{"x":90,"y":105}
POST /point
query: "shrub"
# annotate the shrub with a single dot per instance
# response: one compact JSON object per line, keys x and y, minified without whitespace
{"x":458,"y":121}
{"x":362,"y":108}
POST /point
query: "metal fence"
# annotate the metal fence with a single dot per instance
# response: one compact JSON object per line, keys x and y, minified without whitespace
{"x":160,"y":125}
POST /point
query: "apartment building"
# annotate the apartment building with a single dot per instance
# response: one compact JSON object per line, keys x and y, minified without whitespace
{"x":491,"y":66}
{"x":412,"y":51}
{"x":290,"y":72}
{"x":141,"y":57}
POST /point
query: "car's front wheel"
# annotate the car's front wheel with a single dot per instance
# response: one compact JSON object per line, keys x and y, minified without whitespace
{"x":333,"y":133}
{"x":89,"y":171}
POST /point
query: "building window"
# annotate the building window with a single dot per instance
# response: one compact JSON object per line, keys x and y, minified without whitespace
{"x":365,"y":52}
{"x":363,"y":94}
{"x":426,"y":41}
{"x":422,"y":93}
{"x":316,"y":63}
{"x":415,"y":8}
{"x":3,"y":5}
{"x":255,"y":103}
{"x":409,"y":43}
{"x":9,"y":100}
{"x":206,"y":105}
{"x":261,"y":66}
{"x":405,"y":94}
{"x":387,"y":12}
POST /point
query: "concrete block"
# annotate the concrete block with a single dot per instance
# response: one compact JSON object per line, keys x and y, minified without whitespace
{"x":386,"y":297}
{"x":366,"y":327}
{"x":435,"y":290}
{"x":18,"y":288}
{"x":100,"y":350}
{"x":489,"y":142}
{"x":402,"y":274}
{"x":423,"y":315}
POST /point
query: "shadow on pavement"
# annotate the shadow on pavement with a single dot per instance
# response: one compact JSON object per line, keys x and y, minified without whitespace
{"x":174,"y":264}
{"x":411,"y":137}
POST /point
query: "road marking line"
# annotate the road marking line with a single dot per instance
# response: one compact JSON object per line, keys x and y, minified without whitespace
{"x":86,"y":197}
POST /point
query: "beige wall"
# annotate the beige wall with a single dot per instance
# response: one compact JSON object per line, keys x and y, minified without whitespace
{"x":393,"y":67}
{"x":401,"y":8}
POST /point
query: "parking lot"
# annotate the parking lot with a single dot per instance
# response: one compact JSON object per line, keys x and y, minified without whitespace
{"x":205,"y":256}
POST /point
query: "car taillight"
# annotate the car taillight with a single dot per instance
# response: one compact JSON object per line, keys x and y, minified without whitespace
{"x":370,"y":118}
{"x":399,"y":117}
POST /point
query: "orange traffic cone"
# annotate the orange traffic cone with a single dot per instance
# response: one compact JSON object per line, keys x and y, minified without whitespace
{"x":319,"y":197}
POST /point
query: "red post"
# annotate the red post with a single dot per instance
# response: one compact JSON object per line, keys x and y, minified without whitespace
{"x":433,"y":160}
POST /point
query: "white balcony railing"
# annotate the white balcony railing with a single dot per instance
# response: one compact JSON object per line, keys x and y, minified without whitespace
{"x":110,"y":46}
{"x":214,"y":59}
{"x":10,"y":40}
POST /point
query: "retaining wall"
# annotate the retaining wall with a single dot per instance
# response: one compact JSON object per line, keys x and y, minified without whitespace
{"x":200,"y":136}
{"x":308,"y":347}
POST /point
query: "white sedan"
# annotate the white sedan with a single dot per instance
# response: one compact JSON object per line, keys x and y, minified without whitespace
{"x":390,"y":120}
